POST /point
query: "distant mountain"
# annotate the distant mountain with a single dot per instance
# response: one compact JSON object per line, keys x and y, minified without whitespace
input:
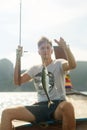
{"x":6,"y":75}
{"x":78,"y":78}
{"x":6,"y":78}
{"x":27,"y":87}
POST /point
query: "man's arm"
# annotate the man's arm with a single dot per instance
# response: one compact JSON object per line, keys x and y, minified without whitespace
{"x":18,"y":77}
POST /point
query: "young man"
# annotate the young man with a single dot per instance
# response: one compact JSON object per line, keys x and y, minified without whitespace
{"x":39,"y":112}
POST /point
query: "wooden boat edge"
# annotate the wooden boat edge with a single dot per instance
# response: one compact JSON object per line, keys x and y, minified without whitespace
{"x":81,"y":123}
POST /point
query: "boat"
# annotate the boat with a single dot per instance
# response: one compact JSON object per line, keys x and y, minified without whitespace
{"x":78,"y":100}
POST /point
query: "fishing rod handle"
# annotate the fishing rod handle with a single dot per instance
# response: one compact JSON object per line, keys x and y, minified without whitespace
{"x":19,"y":52}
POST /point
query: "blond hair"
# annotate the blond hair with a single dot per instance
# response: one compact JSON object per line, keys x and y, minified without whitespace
{"x":42,"y":40}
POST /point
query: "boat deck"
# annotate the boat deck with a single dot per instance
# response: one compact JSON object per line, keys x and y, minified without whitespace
{"x":79,"y":101}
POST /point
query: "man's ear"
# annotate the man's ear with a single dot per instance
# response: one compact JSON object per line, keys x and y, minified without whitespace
{"x":51,"y":50}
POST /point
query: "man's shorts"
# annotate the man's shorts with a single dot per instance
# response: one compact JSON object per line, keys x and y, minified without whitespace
{"x":42,"y":112}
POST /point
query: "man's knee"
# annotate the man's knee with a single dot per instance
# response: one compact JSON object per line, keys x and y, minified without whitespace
{"x":6,"y":113}
{"x":66,"y":112}
{"x":67,"y":109}
{"x":66,"y":106}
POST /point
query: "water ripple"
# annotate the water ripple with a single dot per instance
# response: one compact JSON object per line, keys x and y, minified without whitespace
{"x":9,"y":99}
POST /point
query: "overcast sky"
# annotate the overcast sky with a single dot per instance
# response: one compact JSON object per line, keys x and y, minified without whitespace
{"x":50,"y":18}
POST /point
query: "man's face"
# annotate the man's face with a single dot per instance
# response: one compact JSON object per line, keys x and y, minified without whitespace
{"x":45,"y":50}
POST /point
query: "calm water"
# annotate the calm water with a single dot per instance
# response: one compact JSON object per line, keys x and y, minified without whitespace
{"x":10,"y":99}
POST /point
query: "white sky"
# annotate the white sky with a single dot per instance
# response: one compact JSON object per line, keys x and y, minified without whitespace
{"x":50,"y":18}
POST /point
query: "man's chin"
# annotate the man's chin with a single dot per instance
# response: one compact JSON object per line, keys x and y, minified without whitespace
{"x":45,"y":57}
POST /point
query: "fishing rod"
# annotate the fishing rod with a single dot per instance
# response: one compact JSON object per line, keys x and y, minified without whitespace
{"x":20,"y":23}
{"x":19,"y":53}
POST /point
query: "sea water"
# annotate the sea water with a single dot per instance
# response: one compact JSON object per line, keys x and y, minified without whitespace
{"x":13,"y":99}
